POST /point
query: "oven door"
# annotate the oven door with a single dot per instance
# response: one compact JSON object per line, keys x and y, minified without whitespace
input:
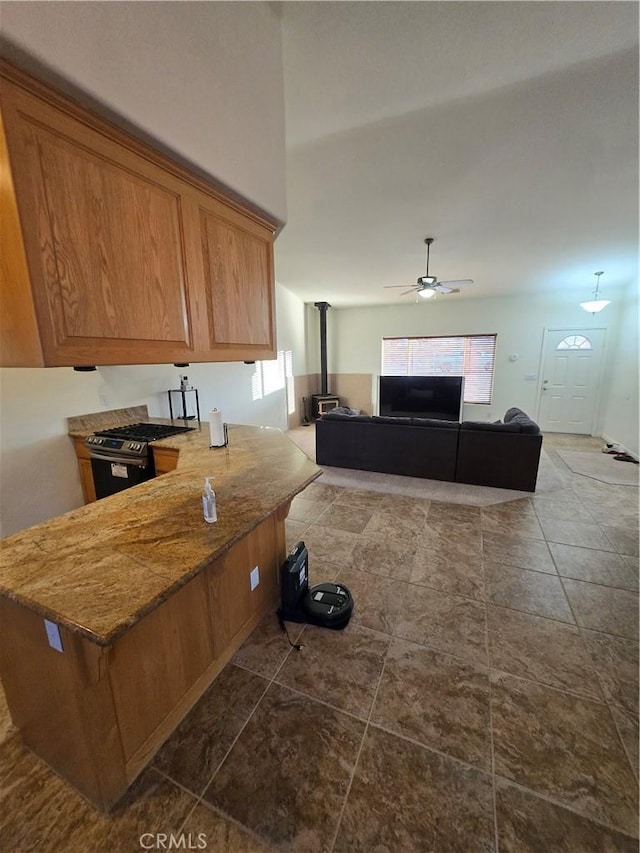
{"x":113,"y":474}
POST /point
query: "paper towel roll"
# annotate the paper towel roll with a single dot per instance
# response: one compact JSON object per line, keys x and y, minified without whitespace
{"x":216,"y":429}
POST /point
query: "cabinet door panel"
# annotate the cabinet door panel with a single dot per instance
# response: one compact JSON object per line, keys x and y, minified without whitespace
{"x":86,"y":472}
{"x":115,"y":239}
{"x":233,"y":602}
{"x":86,"y":481}
{"x":238,"y":275}
{"x":160,"y":658}
{"x":164,"y":460}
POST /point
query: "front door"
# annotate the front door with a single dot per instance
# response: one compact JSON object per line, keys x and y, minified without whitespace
{"x":570,"y":375}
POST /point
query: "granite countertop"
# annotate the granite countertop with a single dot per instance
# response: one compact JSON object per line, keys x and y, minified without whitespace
{"x":100,"y":568}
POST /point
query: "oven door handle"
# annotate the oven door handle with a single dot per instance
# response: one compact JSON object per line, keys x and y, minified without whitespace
{"x":139,"y":462}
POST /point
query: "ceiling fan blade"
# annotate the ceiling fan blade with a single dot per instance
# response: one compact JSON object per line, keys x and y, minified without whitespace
{"x":460,"y":282}
{"x":411,"y":289}
{"x":394,"y":285}
{"x":442,"y":289}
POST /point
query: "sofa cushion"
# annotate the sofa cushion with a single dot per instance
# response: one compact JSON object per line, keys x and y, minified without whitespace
{"x":385,"y":419}
{"x":511,"y":413}
{"x":434,"y":423}
{"x":517,"y":416}
{"x":340,"y":416}
{"x":487,"y":426}
{"x":344,"y":410}
{"x":387,"y":445}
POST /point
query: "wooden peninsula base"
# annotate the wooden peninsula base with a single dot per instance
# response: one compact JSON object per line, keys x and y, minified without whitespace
{"x":98,"y":714}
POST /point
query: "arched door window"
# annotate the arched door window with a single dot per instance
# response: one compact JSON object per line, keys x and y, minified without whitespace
{"x":574,"y":342}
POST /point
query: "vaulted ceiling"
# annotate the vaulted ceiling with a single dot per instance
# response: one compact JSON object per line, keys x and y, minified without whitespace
{"x":506,"y":130}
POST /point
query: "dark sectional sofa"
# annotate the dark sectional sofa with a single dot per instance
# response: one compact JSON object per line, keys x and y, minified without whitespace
{"x":504,"y":454}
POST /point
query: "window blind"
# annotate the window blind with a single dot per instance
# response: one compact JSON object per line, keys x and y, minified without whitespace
{"x":471,"y":356}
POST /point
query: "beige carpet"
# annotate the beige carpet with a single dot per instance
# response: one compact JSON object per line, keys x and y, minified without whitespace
{"x":601,"y":466}
{"x":549,"y":480}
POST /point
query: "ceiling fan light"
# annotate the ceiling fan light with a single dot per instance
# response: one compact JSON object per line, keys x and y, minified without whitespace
{"x":595,"y":305}
{"x":427,"y":293}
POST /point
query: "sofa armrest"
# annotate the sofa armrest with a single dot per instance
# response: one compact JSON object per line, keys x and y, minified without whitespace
{"x":504,"y":460}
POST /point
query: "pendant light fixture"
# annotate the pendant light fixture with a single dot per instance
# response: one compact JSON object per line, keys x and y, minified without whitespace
{"x":595,"y":305}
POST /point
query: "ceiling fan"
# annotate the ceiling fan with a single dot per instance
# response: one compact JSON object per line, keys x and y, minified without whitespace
{"x":428,"y":285}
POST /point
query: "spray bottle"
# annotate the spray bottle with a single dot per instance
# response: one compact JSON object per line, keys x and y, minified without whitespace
{"x":209,"y":502}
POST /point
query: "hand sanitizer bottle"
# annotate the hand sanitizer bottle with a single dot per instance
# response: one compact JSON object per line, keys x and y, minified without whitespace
{"x":209,"y":502}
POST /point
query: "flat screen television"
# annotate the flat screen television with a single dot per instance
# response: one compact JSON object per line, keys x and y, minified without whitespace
{"x":438,"y":397}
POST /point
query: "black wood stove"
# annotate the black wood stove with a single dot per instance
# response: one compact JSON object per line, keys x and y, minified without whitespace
{"x":323,"y":402}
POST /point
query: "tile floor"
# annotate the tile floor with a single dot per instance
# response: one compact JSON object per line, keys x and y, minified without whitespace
{"x":484,"y":696}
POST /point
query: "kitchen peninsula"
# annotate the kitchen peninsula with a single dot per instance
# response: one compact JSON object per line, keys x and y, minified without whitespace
{"x":116,"y":617}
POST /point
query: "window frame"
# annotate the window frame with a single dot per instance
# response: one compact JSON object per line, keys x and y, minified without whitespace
{"x":574,"y":346}
{"x":466,"y":354}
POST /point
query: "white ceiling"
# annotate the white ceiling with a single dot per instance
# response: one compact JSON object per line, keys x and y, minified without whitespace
{"x":506,"y":130}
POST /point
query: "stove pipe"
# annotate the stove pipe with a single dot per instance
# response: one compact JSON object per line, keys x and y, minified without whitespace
{"x":322,"y":308}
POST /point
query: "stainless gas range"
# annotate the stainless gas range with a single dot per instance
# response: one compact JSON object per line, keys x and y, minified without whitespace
{"x":120,"y":456}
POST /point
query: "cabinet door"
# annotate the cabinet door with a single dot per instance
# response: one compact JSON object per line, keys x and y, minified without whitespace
{"x":164,"y":460}
{"x":86,"y":472}
{"x":233,"y":602}
{"x":86,"y":481}
{"x":104,"y":239}
{"x":155,"y":664}
{"x":237,"y":268}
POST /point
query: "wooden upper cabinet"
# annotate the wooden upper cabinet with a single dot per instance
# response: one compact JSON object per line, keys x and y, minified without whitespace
{"x":237,"y":269}
{"x":113,"y":254}
{"x":111,"y":241}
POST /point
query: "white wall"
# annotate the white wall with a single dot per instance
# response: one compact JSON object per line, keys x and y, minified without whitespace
{"x":291,"y":329}
{"x":39,"y":471}
{"x":39,"y":477}
{"x":356,"y":334}
{"x":620,"y":422}
{"x":205,"y":79}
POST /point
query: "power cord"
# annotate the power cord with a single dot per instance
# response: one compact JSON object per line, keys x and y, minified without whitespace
{"x":283,"y":627}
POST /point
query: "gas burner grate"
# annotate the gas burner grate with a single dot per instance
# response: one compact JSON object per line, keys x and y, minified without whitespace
{"x":144,"y":432}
